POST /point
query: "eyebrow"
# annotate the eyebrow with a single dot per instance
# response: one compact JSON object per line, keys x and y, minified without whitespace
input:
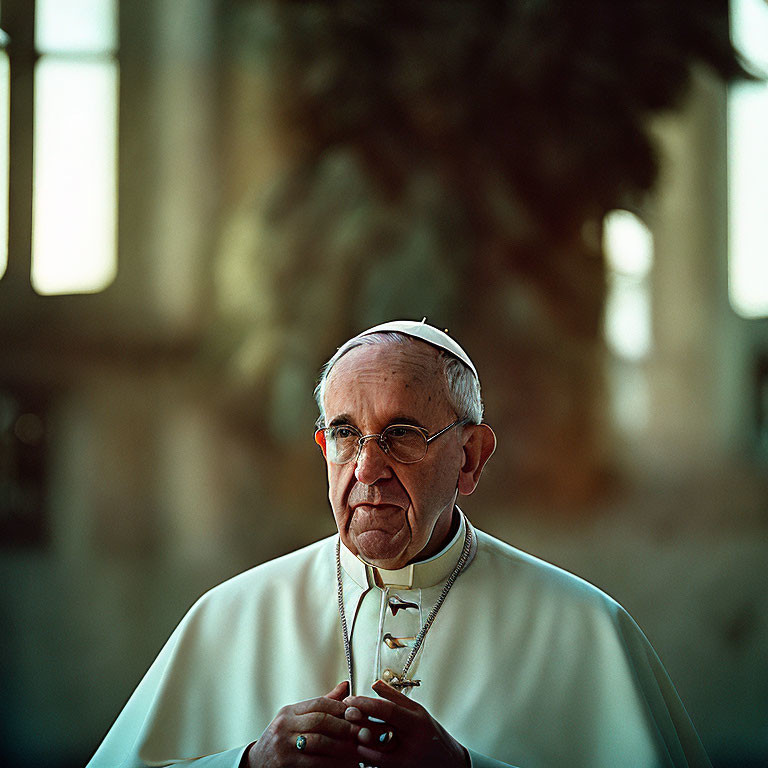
{"x":345,"y":418}
{"x":401,"y":419}
{"x":342,"y":419}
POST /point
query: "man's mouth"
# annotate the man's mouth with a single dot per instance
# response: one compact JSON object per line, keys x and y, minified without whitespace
{"x":376,"y":505}
{"x":381,"y":516}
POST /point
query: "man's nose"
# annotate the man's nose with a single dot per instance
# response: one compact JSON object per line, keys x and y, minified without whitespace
{"x":372,"y":463}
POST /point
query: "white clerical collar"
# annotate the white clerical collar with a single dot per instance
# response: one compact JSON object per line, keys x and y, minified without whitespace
{"x":422,"y":574}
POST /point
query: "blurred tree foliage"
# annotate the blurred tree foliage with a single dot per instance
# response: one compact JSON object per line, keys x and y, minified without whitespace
{"x":447,"y":158}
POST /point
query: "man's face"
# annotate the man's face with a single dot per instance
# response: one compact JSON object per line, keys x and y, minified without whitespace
{"x":387,"y":512}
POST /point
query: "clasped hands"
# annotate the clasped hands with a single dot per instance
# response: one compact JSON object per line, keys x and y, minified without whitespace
{"x":338,"y":731}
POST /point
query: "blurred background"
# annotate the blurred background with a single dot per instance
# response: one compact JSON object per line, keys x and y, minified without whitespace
{"x":202,"y":200}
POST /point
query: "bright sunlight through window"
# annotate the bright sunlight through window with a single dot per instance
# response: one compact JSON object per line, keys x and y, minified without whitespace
{"x":628,"y":246}
{"x":748,"y":166}
{"x":74,"y":248}
{"x":5,"y":86}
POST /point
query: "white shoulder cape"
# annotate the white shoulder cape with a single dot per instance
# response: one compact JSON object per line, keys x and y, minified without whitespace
{"x":525,"y":665}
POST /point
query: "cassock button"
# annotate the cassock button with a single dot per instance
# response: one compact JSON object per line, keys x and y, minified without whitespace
{"x":395,"y":642}
{"x":387,"y":675}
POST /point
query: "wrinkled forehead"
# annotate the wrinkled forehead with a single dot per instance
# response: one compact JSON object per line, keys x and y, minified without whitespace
{"x":412,"y":365}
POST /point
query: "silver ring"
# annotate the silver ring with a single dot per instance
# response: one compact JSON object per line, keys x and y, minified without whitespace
{"x":301,"y":742}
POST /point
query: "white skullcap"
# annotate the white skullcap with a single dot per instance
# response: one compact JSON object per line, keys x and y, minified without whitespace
{"x":423,"y":332}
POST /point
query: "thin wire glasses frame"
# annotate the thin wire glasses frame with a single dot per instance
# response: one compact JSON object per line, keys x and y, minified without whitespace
{"x":383,"y":442}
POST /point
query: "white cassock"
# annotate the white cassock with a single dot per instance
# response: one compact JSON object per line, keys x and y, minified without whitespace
{"x":525,"y":664}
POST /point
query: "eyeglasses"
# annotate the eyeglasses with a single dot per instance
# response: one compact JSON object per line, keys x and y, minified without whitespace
{"x":403,"y":442}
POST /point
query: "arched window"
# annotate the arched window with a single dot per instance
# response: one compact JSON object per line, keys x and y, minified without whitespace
{"x":628,"y":247}
{"x":627,"y":327}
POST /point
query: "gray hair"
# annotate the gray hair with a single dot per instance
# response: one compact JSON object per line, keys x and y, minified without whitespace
{"x":461,"y":383}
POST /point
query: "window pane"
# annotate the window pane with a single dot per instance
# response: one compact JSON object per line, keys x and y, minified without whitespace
{"x":4,"y":93}
{"x":749,"y":30}
{"x":76,"y":26}
{"x":748,"y":167}
{"x":748,"y":199}
{"x":628,"y":317}
{"x":74,"y":224}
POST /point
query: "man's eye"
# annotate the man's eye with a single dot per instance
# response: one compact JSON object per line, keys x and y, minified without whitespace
{"x":342,"y":433}
{"x":397,"y":432}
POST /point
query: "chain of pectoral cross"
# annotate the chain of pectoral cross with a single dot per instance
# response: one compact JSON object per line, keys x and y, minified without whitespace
{"x":401,"y":681}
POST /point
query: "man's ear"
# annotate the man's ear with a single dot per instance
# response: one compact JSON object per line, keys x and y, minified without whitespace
{"x":478,"y":448}
{"x":320,"y":440}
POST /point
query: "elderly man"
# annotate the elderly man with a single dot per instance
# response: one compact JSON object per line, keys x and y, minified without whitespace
{"x":453,"y":649}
